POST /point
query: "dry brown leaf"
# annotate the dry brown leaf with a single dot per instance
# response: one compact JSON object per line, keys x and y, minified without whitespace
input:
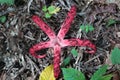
{"x":116,"y":76}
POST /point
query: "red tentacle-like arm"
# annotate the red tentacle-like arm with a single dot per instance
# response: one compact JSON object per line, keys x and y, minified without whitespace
{"x":79,"y":42}
{"x":58,"y":42}
{"x":38,"y":47}
{"x":67,"y":22}
{"x":56,"y":62}
{"x":44,"y":26}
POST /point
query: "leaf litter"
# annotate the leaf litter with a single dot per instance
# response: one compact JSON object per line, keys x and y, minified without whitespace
{"x":18,"y":33}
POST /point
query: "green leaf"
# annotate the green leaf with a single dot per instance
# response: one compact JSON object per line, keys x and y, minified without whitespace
{"x":82,"y":27}
{"x":115,"y":56}
{"x":87,"y":28}
{"x":72,"y":74}
{"x":2,"y":19}
{"x":111,"y":22}
{"x":9,"y":2}
{"x":47,"y":15}
{"x":57,"y":9}
{"x":107,"y":77}
{"x":91,"y":28}
{"x":44,"y":8}
{"x":51,"y":8}
{"x":99,"y":73}
{"x":74,"y":52}
{"x":66,"y":61}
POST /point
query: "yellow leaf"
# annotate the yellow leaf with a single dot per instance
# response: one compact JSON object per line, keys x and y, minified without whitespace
{"x":57,"y":9}
{"x":47,"y":73}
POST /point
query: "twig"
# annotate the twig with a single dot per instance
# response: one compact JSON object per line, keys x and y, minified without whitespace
{"x":33,"y":63}
{"x":29,"y":3}
{"x":31,"y":38}
{"x":92,"y":59}
{"x":87,"y":5}
{"x":79,"y":34}
{"x":10,"y":9}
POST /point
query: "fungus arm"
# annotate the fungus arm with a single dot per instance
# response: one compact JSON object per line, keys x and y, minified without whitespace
{"x":79,"y":42}
{"x":38,"y":47}
{"x":67,"y":22}
{"x":56,"y":61}
{"x":44,"y":26}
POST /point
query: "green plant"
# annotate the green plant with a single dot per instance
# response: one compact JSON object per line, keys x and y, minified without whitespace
{"x":49,"y":11}
{"x":99,"y":74}
{"x":107,"y":77}
{"x":2,"y":19}
{"x":8,"y":2}
{"x":67,"y":60}
{"x":87,"y":28}
{"x":115,"y":56}
{"x":111,"y":22}
{"x":73,"y":74}
{"x":74,"y":52}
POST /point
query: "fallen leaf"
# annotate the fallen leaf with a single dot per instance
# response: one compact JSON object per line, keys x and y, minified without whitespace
{"x":57,"y":9}
{"x":117,"y":45}
{"x":3,"y":76}
{"x":114,"y":1}
{"x":108,"y":60}
{"x":118,"y":34}
{"x":47,"y":73}
{"x":116,"y":76}
{"x":53,"y":9}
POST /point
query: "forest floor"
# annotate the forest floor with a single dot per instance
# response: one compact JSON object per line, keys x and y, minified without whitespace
{"x":18,"y":33}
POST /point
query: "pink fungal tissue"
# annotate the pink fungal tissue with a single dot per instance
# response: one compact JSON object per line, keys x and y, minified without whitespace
{"x":57,"y":42}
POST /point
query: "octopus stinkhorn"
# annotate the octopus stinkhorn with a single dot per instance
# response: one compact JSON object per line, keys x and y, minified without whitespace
{"x":57,"y":42}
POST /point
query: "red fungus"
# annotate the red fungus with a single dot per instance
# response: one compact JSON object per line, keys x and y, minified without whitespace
{"x":58,"y":42}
